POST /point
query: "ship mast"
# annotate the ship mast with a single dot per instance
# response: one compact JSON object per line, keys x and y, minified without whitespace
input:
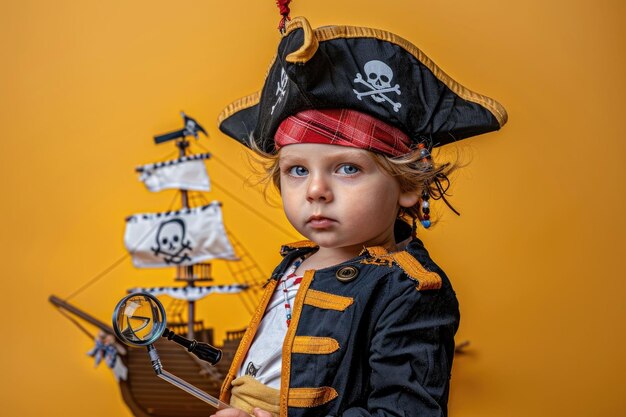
{"x":183,"y":144}
{"x":187,"y":273}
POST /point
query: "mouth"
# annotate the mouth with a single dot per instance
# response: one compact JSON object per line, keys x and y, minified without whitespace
{"x":320,"y":222}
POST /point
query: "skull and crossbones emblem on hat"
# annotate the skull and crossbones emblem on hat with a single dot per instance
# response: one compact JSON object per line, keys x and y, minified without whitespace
{"x":379,"y":76}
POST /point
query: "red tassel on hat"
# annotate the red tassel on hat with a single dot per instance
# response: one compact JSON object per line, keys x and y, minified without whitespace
{"x":283,"y":7}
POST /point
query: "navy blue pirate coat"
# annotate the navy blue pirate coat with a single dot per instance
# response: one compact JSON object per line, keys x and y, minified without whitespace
{"x":373,"y":336}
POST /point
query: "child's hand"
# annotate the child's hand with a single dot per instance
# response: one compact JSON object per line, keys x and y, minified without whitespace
{"x":261,"y":413}
{"x":234,"y":412}
{"x":230,"y":412}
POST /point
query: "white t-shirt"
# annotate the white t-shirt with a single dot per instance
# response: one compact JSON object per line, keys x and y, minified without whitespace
{"x":264,"y":358}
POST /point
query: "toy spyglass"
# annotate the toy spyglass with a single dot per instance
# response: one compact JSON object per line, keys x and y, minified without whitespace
{"x":139,"y":320}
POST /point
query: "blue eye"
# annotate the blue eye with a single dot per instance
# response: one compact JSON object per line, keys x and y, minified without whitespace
{"x":298,"y":171}
{"x":348,"y":169}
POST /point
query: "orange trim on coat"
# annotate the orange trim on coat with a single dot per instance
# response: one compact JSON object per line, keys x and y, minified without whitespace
{"x":377,"y":251}
{"x":246,"y":341}
{"x":314,"y":345}
{"x":327,"y":301}
{"x":301,"y":244}
{"x":297,"y":245}
{"x":289,"y":339}
{"x":311,"y":397}
{"x":426,"y":280}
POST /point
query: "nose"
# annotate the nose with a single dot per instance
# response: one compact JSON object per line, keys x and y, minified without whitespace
{"x":319,"y":189}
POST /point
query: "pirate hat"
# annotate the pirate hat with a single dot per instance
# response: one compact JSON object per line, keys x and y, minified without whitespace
{"x":367,"y":70}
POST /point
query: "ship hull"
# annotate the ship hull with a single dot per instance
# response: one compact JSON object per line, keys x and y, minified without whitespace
{"x":147,"y":395}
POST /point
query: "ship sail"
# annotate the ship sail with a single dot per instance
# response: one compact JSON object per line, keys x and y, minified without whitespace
{"x":186,"y":172}
{"x":182,"y":237}
{"x":191,"y":293}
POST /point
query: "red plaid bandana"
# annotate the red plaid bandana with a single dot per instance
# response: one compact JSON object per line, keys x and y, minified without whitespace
{"x":343,"y":127}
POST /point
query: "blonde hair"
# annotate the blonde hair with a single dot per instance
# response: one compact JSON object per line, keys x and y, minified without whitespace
{"x":415,"y":173}
{"x":412,"y":171}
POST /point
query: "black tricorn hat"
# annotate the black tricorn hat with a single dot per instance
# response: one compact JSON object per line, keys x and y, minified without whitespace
{"x":368,"y":70}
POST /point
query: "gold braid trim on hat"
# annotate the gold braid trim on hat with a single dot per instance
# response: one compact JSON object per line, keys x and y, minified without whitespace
{"x":236,"y":106}
{"x":312,"y":37}
{"x":334,"y":32}
{"x":310,"y":45}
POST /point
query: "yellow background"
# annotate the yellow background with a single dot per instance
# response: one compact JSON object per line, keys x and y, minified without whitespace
{"x":535,"y":257}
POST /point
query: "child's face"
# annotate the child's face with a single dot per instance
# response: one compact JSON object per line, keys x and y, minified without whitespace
{"x":339,"y":197}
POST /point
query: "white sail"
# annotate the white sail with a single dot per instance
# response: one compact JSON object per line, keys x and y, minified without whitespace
{"x":191,"y":293}
{"x":186,"y":173}
{"x":182,"y":237}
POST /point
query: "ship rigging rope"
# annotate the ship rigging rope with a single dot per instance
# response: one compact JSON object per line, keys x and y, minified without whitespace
{"x":169,"y":155}
{"x":242,"y":295}
{"x":119,"y":261}
{"x":73,"y":320}
{"x":230,"y":169}
{"x":249,"y":207}
{"x":97,"y":277}
{"x":115,"y":264}
{"x":120,"y":348}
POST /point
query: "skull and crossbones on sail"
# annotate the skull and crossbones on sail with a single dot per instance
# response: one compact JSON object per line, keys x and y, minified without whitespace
{"x":181,"y":237}
{"x":378,"y":79}
{"x":170,"y":242}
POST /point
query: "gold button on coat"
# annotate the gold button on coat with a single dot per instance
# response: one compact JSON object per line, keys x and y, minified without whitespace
{"x":347,"y":273}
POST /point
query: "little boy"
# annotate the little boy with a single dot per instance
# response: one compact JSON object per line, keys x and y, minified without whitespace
{"x":357,"y":320}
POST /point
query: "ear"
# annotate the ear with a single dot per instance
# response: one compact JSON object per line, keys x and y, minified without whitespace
{"x":408,"y":198}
